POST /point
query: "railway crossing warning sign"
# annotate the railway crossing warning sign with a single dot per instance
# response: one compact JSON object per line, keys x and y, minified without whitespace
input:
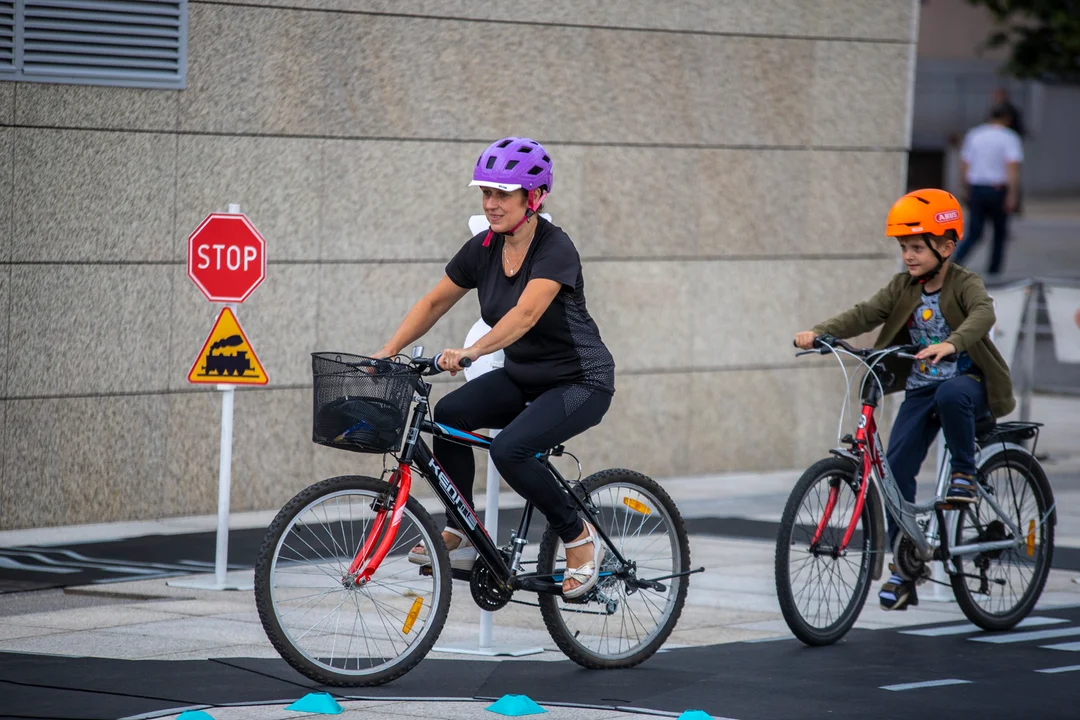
{"x":227,"y":357}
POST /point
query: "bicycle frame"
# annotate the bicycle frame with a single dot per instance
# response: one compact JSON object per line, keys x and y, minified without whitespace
{"x":867,"y":452}
{"x":416,"y":453}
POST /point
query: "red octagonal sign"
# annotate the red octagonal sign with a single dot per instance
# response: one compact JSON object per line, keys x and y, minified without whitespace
{"x":226,"y":257}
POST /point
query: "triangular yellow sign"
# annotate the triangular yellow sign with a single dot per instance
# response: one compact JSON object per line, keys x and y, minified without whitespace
{"x":227,"y":357}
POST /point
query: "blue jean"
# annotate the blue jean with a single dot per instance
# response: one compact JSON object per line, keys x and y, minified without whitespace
{"x":985,"y":202}
{"x":958,"y":401}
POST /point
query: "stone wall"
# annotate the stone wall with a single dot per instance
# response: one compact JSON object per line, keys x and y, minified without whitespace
{"x":724,"y":168}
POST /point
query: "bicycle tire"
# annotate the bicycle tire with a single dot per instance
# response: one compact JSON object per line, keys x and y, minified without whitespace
{"x":282,"y":569}
{"x":616,"y":510}
{"x":797,"y":527}
{"x":1031,"y":506}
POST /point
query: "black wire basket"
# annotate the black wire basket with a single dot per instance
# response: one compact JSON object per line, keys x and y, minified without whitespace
{"x":361,"y":404}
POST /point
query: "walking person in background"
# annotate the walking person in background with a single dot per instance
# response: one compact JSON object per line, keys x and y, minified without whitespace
{"x":990,"y":169}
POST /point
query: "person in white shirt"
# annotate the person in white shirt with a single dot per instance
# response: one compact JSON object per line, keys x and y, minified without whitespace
{"x":990,"y":166}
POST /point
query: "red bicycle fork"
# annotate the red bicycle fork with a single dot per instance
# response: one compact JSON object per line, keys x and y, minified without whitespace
{"x":867,"y":450}
{"x":402,"y":477}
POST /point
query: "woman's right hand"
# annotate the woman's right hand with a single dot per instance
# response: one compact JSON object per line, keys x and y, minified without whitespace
{"x":805,"y":339}
{"x":385,"y":353}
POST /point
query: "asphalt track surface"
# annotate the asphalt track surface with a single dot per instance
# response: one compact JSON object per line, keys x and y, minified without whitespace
{"x":945,"y":671}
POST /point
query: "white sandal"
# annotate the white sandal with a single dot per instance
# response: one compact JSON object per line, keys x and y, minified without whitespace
{"x":588,"y":573}
{"x":463,"y":557}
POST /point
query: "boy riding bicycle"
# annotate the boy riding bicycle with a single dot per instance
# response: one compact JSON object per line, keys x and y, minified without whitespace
{"x":956,"y":378}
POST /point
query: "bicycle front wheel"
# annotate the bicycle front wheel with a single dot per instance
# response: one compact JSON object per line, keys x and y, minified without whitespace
{"x":621,"y":624}
{"x":320,"y":621}
{"x":820,"y":588}
{"x":997,"y":589}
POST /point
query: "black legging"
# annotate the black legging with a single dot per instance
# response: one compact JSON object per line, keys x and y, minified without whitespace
{"x":493,"y":400}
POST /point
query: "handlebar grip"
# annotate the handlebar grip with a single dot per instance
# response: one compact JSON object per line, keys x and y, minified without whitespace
{"x":465,"y":362}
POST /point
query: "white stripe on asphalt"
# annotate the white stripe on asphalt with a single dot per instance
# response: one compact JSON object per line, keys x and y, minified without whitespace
{"x":1025,"y":636}
{"x":970,"y":627}
{"x":1067,"y":668}
{"x":1070,"y":646}
{"x":9,"y":564}
{"x":928,"y":683}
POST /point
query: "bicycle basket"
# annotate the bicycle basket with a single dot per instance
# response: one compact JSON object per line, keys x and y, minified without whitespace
{"x":361,"y":404}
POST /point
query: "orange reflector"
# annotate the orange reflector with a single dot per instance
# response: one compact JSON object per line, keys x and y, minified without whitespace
{"x":414,"y":611}
{"x":636,"y":506}
{"x":1031,"y":538}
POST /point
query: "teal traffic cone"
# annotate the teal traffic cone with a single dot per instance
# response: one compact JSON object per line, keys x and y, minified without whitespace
{"x":695,"y":715}
{"x":194,"y":715}
{"x":320,"y":703}
{"x":515,"y":705}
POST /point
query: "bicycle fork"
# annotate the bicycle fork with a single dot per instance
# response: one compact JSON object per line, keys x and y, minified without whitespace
{"x":385,"y":540}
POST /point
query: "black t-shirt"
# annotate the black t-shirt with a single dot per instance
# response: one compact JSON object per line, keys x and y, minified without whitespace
{"x":564,"y":347}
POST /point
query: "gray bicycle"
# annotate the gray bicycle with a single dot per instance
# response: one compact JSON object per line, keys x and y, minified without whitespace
{"x":997,"y":551}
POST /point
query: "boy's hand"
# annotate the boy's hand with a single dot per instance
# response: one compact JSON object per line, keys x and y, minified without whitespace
{"x":934,"y":353}
{"x":805,"y":340}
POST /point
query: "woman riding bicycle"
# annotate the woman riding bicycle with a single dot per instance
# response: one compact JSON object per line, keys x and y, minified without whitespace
{"x":558,"y":377}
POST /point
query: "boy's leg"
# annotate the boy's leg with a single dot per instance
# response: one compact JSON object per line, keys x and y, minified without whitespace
{"x":911,"y":436}
{"x":959,"y":401}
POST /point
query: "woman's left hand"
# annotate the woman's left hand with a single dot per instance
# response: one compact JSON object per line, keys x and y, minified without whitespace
{"x":934,"y":353}
{"x":450,"y":360}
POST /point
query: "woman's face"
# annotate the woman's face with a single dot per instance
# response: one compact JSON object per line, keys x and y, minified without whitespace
{"x":504,"y":209}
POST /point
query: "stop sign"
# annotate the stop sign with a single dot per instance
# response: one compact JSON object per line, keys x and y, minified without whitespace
{"x":226,"y":257}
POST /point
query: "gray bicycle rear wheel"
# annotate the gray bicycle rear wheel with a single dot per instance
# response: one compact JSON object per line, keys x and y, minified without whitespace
{"x":996,"y":590}
{"x":616,"y":625}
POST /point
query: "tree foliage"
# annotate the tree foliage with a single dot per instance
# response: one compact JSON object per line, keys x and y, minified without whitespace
{"x":1043,"y":37}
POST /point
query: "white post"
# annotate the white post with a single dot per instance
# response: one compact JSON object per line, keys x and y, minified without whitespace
{"x":491,"y":522}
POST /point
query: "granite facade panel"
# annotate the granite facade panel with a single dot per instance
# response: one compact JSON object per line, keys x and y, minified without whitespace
{"x":84,"y":460}
{"x":84,"y":196}
{"x":82,"y":329}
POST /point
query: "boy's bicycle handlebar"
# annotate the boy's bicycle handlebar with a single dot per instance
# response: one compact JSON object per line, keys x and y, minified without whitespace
{"x":826,"y":344}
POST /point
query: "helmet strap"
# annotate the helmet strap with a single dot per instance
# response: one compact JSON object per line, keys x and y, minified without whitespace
{"x":927,"y":277}
{"x":534,"y":205}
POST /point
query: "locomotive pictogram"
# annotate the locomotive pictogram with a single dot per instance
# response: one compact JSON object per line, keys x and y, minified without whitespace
{"x":227,"y":356}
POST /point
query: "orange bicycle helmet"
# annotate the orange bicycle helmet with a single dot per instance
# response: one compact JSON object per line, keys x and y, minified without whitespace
{"x":925,"y":211}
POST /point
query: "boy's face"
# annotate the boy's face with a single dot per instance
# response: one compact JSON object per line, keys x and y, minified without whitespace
{"x":917,"y":256}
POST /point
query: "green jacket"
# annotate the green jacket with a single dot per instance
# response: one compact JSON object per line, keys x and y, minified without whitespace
{"x":966,"y":307}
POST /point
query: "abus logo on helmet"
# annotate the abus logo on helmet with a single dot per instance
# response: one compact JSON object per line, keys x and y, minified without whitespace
{"x":946,"y":216}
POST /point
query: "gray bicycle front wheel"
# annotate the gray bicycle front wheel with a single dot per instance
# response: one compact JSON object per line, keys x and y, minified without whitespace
{"x":325,"y":625}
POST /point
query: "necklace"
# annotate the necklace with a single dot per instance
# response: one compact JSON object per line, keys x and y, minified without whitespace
{"x":512,"y":269}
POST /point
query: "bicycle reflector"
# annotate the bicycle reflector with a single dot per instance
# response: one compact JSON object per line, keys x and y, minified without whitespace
{"x":414,"y":612}
{"x":1031,"y":538}
{"x":638,"y":507}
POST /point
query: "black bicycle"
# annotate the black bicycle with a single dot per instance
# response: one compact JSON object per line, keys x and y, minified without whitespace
{"x":340,"y":600}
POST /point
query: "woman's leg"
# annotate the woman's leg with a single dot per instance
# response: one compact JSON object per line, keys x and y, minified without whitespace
{"x":490,"y":401}
{"x":551,"y":419}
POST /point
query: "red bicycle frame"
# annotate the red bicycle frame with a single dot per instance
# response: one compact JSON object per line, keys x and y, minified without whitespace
{"x":867,"y":449}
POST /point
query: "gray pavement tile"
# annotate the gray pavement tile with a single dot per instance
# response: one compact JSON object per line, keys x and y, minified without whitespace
{"x":211,"y":630}
{"x":101,"y":643}
{"x":12,"y":631}
{"x":98,"y":616}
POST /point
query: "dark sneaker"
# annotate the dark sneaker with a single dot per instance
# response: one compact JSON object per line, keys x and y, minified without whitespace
{"x":897,"y":594}
{"x":961,"y":490}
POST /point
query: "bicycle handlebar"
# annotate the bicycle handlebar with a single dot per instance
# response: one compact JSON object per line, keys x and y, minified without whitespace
{"x":825,"y":344}
{"x":430,"y":366}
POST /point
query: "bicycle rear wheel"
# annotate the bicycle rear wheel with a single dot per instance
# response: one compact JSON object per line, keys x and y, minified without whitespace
{"x":620,"y":625}
{"x":997,"y":589}
{"x":322,"y":623}
{"x":822,"y":591}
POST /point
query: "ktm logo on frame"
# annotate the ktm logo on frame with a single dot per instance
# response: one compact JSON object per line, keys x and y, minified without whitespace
{"x":227,"y":357}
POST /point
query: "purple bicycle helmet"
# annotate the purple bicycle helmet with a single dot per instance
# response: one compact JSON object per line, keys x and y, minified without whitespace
{"x":513,"y":163}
